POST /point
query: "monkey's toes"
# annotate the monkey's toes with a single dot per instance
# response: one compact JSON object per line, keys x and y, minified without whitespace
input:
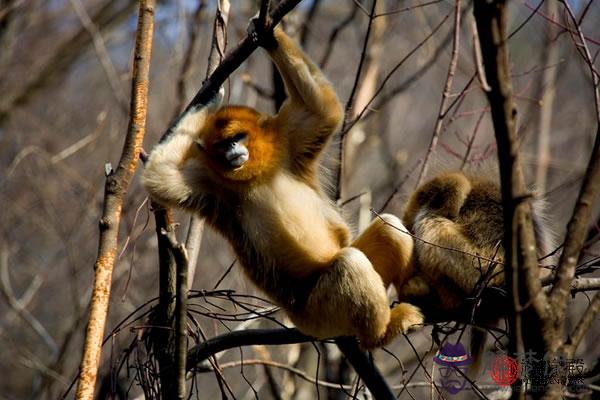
{"x":410,"y":316}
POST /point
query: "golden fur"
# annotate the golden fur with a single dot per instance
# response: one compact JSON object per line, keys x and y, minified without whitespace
{"x":458,"y":222}
{"x":290,"y":240}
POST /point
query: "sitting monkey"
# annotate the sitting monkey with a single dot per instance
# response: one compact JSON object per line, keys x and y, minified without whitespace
{"x":458,"y":224}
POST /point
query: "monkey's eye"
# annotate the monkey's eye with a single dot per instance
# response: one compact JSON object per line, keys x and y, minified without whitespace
{"x":238,"y":137}
{"x":233,"y":140}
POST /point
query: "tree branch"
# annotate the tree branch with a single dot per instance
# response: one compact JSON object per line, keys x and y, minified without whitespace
{"x":367,"y":371}
{"x":233,"y":60}
{"x":445,"y":94}
{"x":577,"y":227}
{"x":181,"y":259}
{"x":117,"y":183}
{"x":589,"y":316}
{"x":349,"y":105}
{"x":195,"y":232}
{"x":521,"y":268}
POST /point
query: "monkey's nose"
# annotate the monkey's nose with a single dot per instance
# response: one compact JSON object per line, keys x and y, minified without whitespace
{"x":239,"y":160}
{"x":237,"y":156}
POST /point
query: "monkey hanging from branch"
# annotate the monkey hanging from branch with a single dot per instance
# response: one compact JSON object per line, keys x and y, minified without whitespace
{"x":255,"y":178}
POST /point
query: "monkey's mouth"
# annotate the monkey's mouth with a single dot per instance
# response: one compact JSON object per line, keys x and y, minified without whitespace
{"x":237,"y":160}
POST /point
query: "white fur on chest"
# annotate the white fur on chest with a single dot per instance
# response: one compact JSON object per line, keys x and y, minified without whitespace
{"x":288,"y":204}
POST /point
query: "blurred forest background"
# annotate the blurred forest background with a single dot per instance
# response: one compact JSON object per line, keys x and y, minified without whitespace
{"x":65,"y":77}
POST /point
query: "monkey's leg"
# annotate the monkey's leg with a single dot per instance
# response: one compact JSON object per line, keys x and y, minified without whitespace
{"x":350,"y":299}
{"x":389,"y":247}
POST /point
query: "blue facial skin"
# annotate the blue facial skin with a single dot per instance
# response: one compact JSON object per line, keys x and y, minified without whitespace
{"x":233,"y":152}
{"x":453,"y":380}
{"x":236,"y":154}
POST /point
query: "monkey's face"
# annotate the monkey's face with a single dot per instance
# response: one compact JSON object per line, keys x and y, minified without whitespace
{"x":232,"y":151}
{"x":237,"y":144}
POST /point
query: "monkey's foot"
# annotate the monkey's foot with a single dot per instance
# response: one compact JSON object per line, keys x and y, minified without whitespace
{"x":405,"y":317}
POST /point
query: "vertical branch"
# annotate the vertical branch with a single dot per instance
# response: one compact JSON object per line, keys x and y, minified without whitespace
{"x":308,"y":21}
{"x":350,"y":104}
{"x":102,"y":51}
{"x":446,"y":94}
{"x":163,"y":335}
{"x":521,"y":269}
{"x":219,"y":39}
{"x":355,"y":133}
{"x":186,"y":65}
{"x":181,"y":259}
{"x":577,"y":227}
{"x":547,"y":92}
{"x":193,"y":240}
{"x":117,"y":183}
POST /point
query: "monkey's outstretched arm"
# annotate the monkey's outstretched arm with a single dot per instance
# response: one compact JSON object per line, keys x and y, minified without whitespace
{"x":172,"y":175}
{"x":312,"y":112}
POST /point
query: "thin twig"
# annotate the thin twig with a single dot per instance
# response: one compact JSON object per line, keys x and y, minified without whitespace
{"x":446,"y":93}
{"x":584,"y":324}
{"x":485,"y":86}
{"x":399,"y":185}
{"x":350,"y":104}
{"x":334,"y":34}
{"x":18,"y":305}
{"x":186,"y":65}
{"x":381,"y":87}
{"x":109,"y":14}
{"x":102,"y":52}
{"x":405,"y":9}
{"x":566,"y":28}
{"x":472,"y":140}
